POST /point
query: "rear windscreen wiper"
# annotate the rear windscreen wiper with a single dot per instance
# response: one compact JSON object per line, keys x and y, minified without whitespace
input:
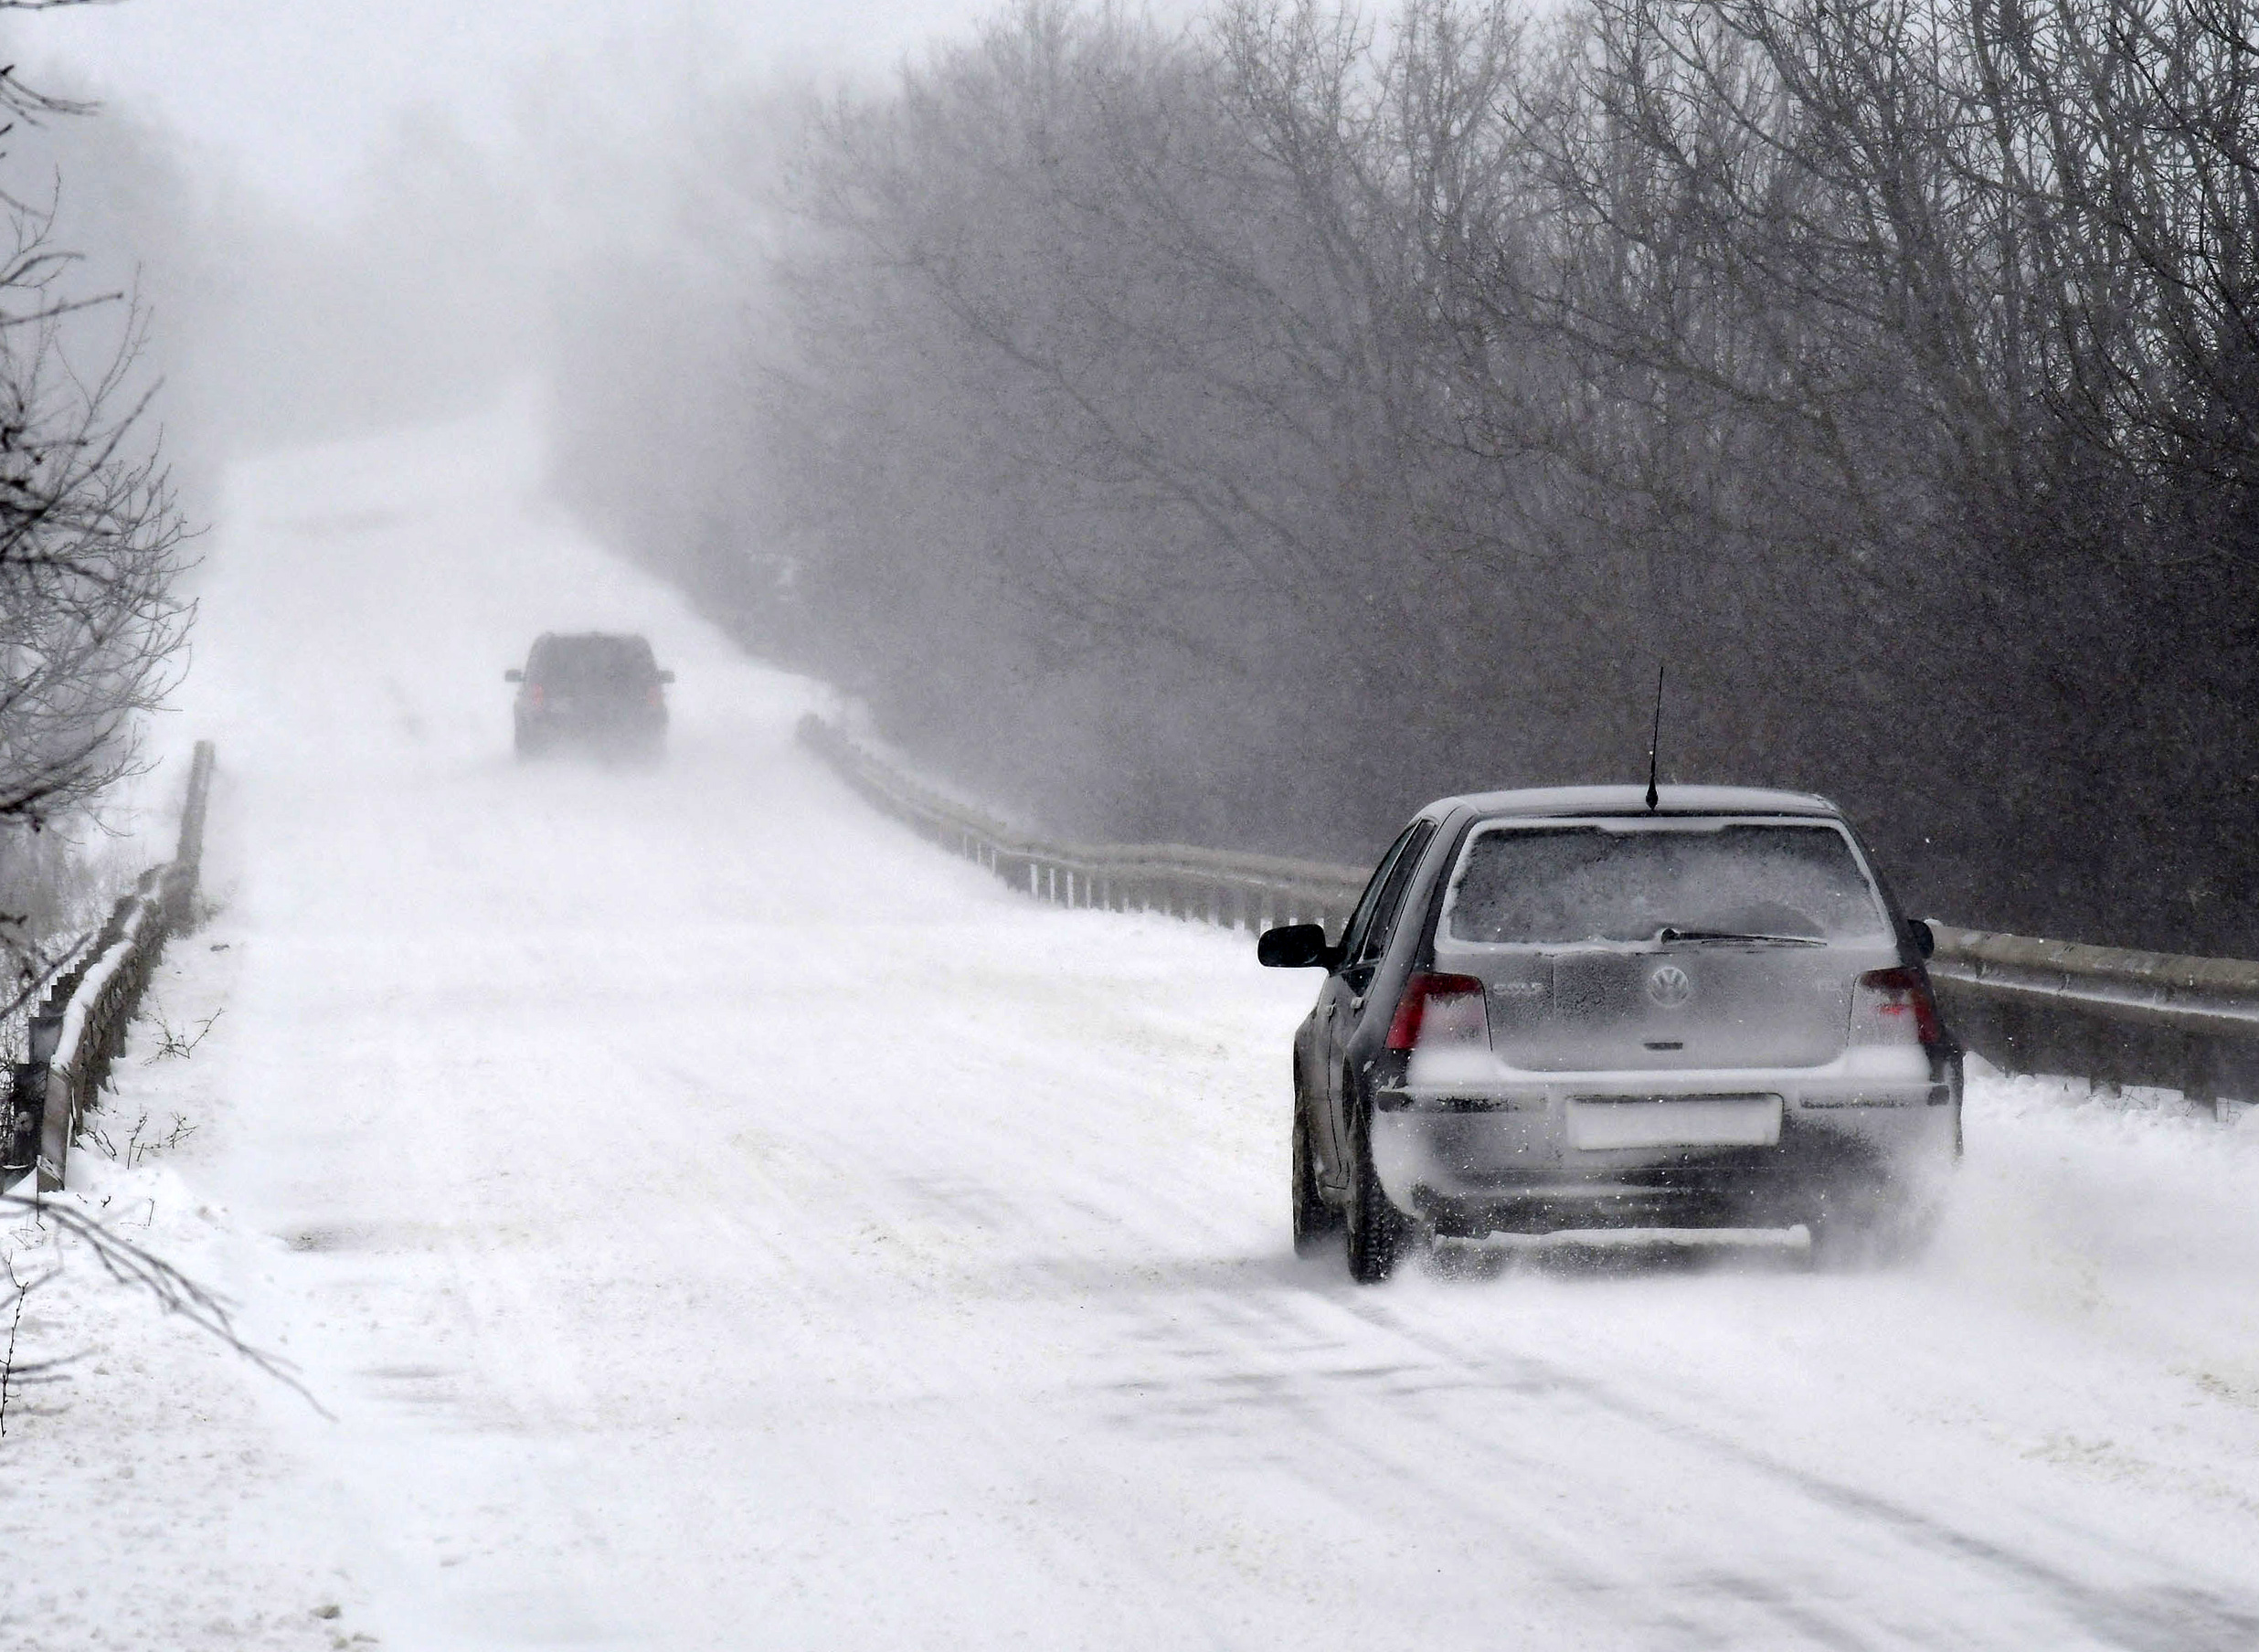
{"x":1669,"y":934}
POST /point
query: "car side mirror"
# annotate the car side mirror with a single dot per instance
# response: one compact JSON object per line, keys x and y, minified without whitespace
{"x":1924,"y":937}
{"x":666,"y":677}
{"x":1295,"y":946}
{"x":513,"y":676}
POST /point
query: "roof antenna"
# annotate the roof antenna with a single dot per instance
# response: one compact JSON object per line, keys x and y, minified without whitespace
{"x":1655,"y":737}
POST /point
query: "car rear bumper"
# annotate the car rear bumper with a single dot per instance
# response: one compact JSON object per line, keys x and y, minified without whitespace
{"x":593,"y":724}
{"x":1685,"y":1150}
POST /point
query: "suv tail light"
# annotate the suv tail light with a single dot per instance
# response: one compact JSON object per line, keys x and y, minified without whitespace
{"x":1894,"y":1007}
{"x":535,"y":696}
{"x":1438,"y":1012}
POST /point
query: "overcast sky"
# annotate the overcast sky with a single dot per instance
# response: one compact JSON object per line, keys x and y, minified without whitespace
{"x":296,"y":89}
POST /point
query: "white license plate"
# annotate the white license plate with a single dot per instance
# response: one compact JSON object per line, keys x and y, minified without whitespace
{"x":1675,"y":1121}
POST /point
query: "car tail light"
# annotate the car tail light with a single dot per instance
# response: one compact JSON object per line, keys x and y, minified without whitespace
{"x":535,"y":696}
{"x":1439,"y":1010}
{"x":655,"y":697}
{"x":1894,"y":1007}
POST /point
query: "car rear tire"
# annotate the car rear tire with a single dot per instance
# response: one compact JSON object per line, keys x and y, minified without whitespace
{"x":1379,"y":1233}
{"x":1315,"y":1221}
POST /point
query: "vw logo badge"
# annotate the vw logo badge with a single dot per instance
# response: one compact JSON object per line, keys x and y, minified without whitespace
{"x":1669,"y":987}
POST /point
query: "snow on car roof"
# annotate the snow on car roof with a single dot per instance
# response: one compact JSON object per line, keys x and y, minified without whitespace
{"x":1632,"y":799}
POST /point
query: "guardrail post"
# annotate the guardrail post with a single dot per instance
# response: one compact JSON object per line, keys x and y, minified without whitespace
{"x":2202,"y":1075}
{"x":26,"y":1106}
{"x":2235,"y":1070}
{"x":2012,"y":1028}
{"x":38,"y":1092}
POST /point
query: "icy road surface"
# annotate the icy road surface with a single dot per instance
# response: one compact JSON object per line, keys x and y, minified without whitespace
{"x":714,"y":1219}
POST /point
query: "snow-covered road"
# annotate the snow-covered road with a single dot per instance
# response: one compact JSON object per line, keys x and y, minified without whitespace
{"x":714,"y":1219}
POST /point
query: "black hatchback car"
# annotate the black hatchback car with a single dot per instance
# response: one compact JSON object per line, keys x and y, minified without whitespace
{"x":599,"y":691}
{"x":1572,"y":1008}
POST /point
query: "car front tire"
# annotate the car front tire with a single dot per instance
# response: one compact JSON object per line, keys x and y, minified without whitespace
{"x":1315,"y":1221}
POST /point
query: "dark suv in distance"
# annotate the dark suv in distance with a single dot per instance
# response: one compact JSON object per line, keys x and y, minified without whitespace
{"x":600,"y":690}
{"x":1564,"y":1008}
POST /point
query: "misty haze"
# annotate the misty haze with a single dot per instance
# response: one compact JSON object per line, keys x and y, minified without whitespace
{"x":1228,"y":824}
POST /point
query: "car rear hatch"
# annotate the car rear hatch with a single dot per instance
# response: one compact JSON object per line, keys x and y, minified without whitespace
{"x":599,"y":678}
{"x":1663,"y":943}
{"x":1702,"y":1005}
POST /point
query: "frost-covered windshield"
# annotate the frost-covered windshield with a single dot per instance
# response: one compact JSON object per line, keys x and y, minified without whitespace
{"x":1564,"y":884}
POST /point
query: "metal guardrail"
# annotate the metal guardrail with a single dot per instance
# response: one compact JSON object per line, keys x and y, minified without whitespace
{"x":82,"y":1026}
{"x":2105,"y":1014}
{"x":1206,"y":886}
{"x":2112,"y":1016}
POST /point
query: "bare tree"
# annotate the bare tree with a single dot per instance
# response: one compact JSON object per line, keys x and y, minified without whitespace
{"x":1289,"y":418}
{"x":90,"y":545}
{"x":91,"y":542}
{"x":91,"y":533}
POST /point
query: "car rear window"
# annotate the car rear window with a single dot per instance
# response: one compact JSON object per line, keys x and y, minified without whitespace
{"x":1624,"y":880}
{"x":592,"y":659}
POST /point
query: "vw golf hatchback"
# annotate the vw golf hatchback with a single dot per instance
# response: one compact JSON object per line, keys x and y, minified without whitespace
{"x":1564,"y":1008}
